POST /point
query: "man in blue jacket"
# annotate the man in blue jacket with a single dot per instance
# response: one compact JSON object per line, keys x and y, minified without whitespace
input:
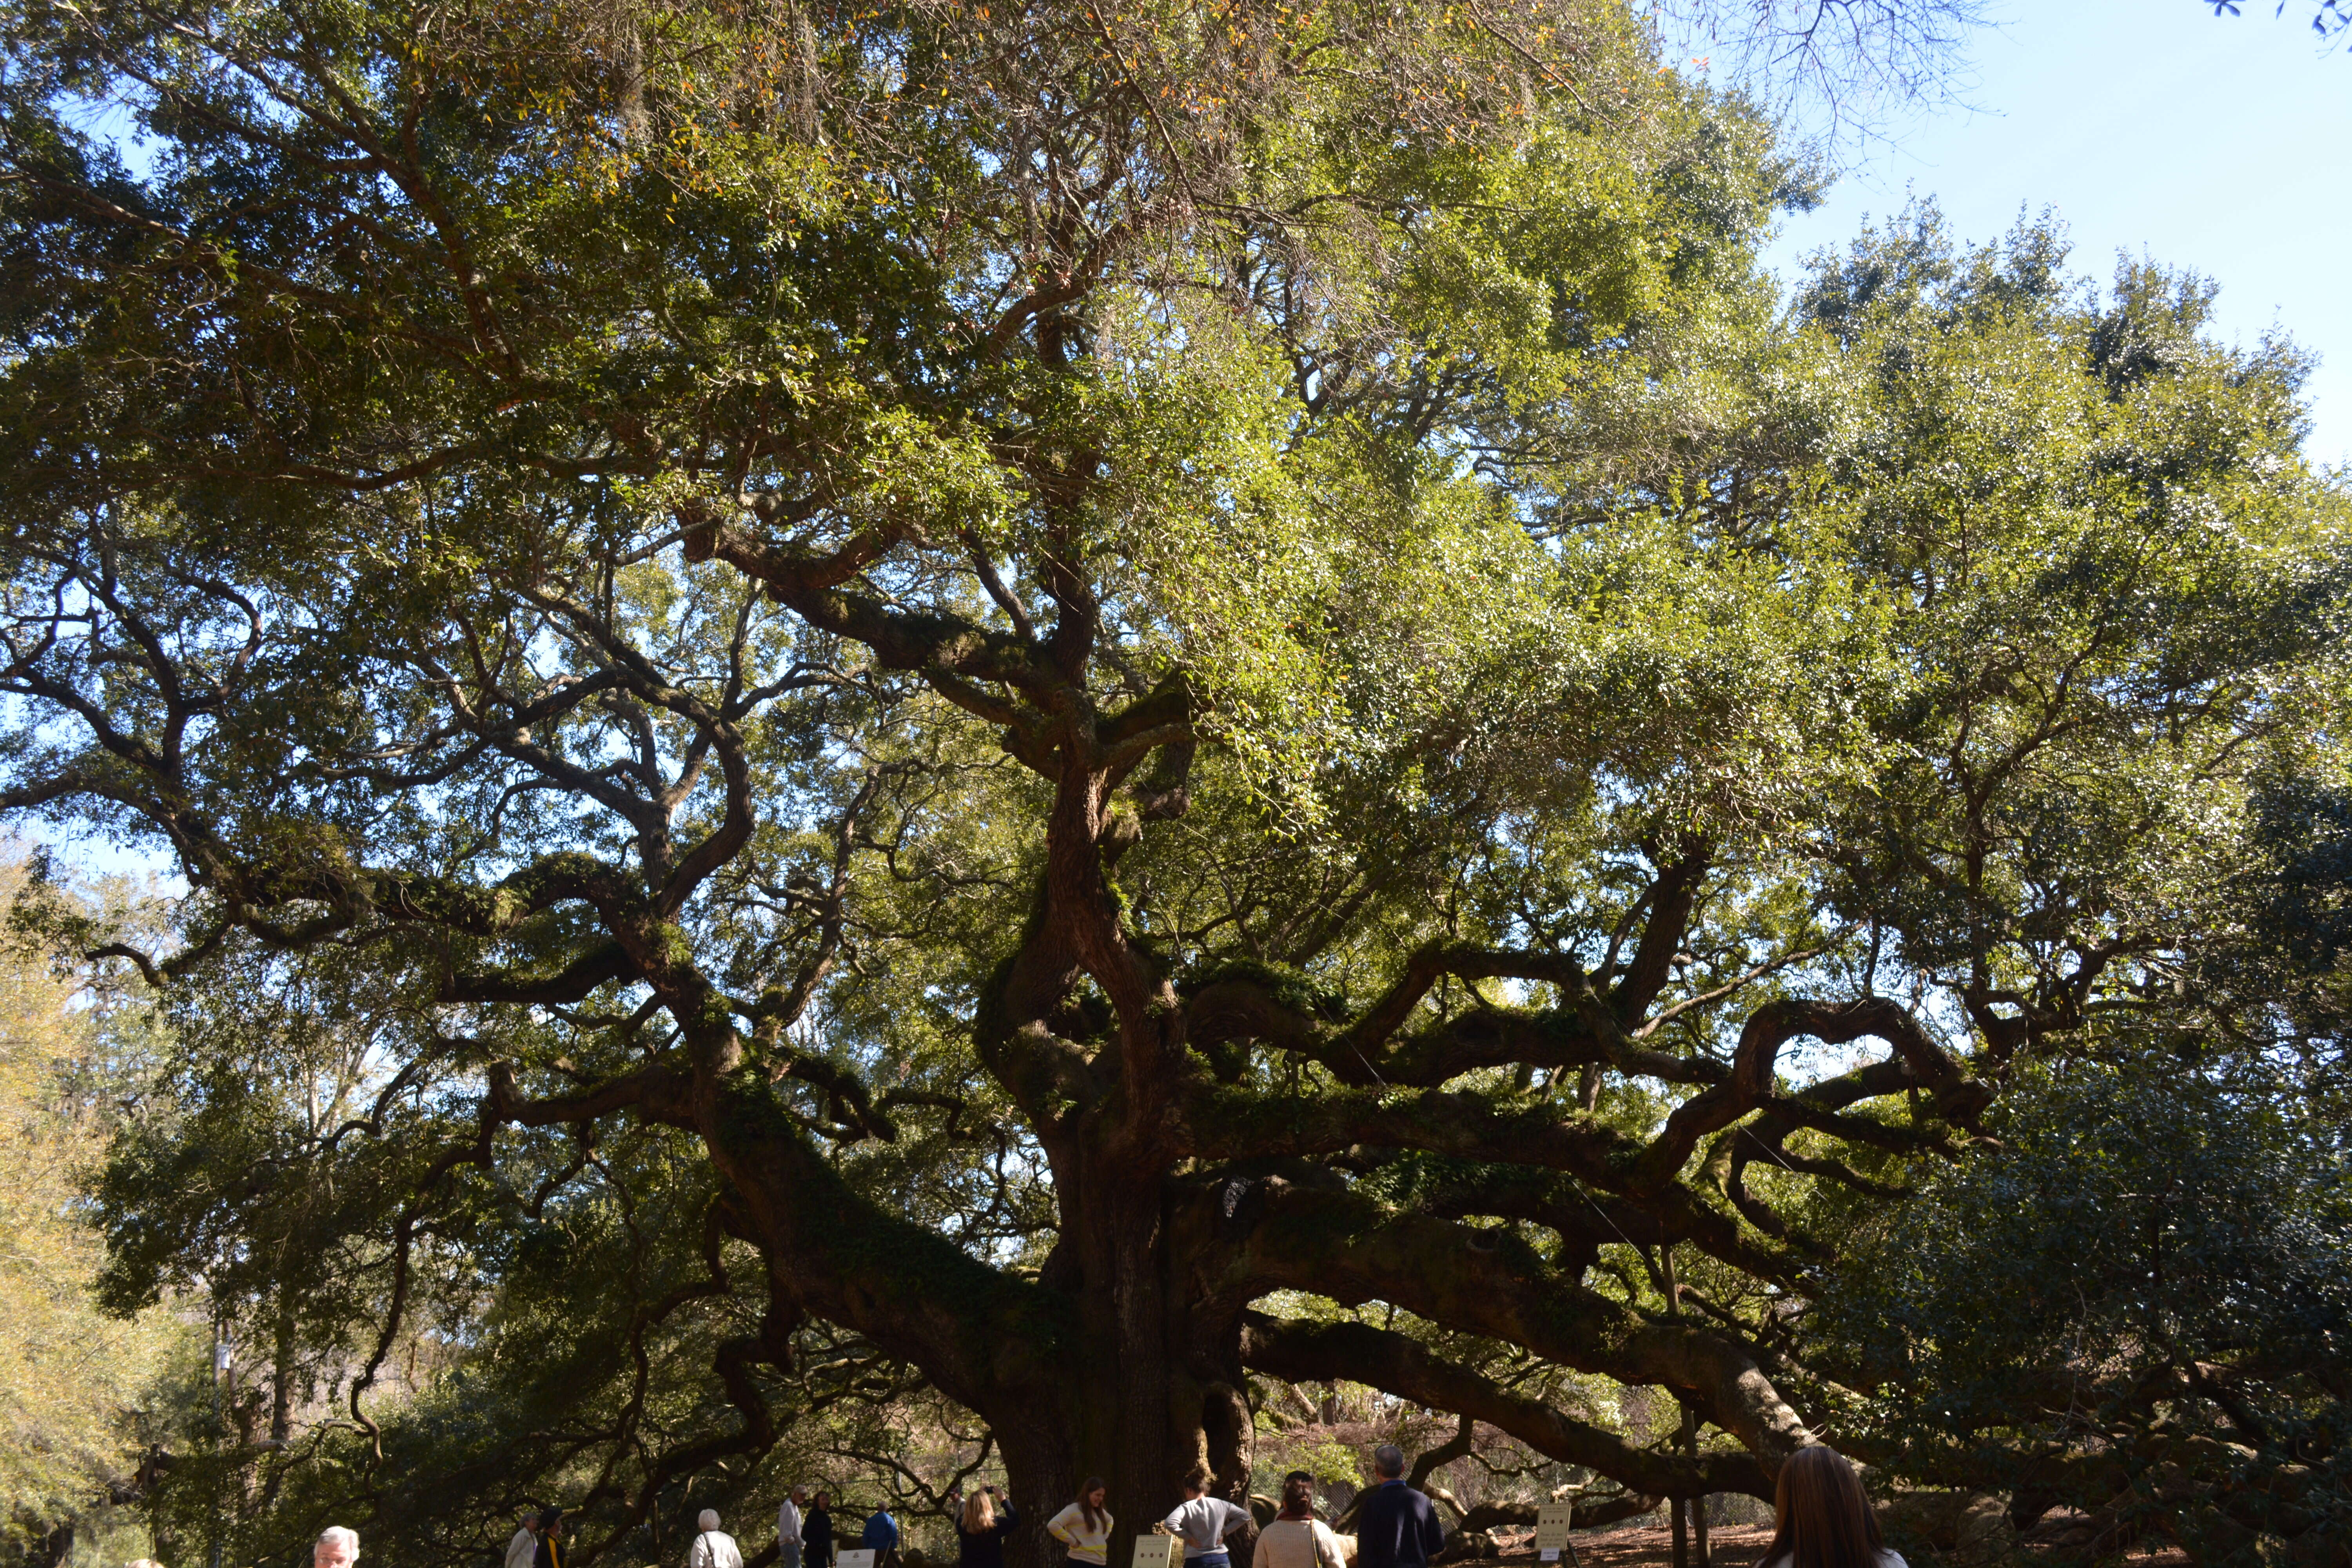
{"x":1395,"y":1525}
{"x":881,"y":1537}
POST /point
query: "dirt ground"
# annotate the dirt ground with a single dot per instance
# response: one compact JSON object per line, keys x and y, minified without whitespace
{"x":1642,"y":1545}
{"x":1651,"y":1545}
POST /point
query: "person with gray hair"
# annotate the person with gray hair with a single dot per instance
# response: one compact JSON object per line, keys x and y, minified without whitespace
{"x":523,"y":1549}
{"x":1395,"y":1526}
{"x":713,"y":1548}
{"x":788,"y":1529}
{"x":337,"y":1547}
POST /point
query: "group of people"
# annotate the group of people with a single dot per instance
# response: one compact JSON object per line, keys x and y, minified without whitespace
{"x":537,"y":1545}
{"x":1822,"y":1519}
{"x":805,"y":1532}
{"x":1395,"y":1526}
{"x":804,"y":1537}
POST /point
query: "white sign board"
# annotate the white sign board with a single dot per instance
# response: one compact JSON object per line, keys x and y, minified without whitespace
{"x":1159,"y":1551}
{"x":861,"y":1558}
{"x":1553,"y":1520}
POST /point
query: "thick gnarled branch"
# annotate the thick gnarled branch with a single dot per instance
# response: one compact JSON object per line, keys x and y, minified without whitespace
{"x":1344,"y":1246}
{"x":1400,"y":1365}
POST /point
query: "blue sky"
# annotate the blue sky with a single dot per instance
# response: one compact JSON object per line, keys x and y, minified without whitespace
{"x":2216,"y":143}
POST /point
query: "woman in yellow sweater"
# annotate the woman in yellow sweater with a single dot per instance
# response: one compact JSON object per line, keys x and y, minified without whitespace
{"x":1083,"y":1527}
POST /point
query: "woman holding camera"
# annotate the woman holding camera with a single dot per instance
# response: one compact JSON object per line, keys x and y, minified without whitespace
{"x":980,"y":1529}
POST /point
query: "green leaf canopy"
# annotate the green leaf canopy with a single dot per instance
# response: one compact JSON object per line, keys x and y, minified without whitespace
{"x":932,"y":702}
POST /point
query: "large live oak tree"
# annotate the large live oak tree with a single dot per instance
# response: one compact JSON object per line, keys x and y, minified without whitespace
{"x":1237,"y":625}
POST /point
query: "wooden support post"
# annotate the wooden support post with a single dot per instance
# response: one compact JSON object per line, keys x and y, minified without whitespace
{"x":1674,"y":1310}
{"x":1698,"y":1503}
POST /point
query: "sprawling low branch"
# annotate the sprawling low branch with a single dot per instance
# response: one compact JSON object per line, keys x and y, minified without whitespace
{"x":1280,"y":1008}
{"x":1586,"y":1220}
{"x":1405,"y":1367}
{"x":1342,"y":1245}
{"x":1231,"y":1124}
{"x":982,"y":1336}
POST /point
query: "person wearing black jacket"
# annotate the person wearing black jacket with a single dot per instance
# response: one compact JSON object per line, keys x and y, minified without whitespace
{"x":816,"y":1533}
{"x":1395,"y":1525}
{"x":987,"y":1519}
{"x":551,"y":1538}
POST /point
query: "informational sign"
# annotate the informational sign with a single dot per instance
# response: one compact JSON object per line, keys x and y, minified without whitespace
{"x":1159,"y":1551}
{"x":861,"y":1558}
{"x":1553,"y":1520}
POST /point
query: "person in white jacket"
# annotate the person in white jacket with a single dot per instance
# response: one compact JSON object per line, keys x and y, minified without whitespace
{"x":713,"y":1547}
{"x":788,"y":1529}
{"x":523,"y":1549}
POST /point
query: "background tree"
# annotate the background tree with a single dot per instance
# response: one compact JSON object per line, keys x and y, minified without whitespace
{"x":2136,"y":1310}
{"x":870,"y":695}
{"x":83,"y":1395}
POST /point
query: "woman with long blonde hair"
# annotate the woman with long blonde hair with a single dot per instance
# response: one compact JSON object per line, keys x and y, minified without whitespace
{"x":980,"y":1529}
{"x":1822,"y":1517}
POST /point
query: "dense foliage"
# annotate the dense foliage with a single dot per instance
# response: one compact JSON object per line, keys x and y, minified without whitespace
{"x":1005,"y":708}
{"x":2139,"y":1309}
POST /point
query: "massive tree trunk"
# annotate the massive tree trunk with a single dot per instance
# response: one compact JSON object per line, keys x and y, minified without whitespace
{"x":1127,"y":1356}
{"x":1112,"y":1362}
